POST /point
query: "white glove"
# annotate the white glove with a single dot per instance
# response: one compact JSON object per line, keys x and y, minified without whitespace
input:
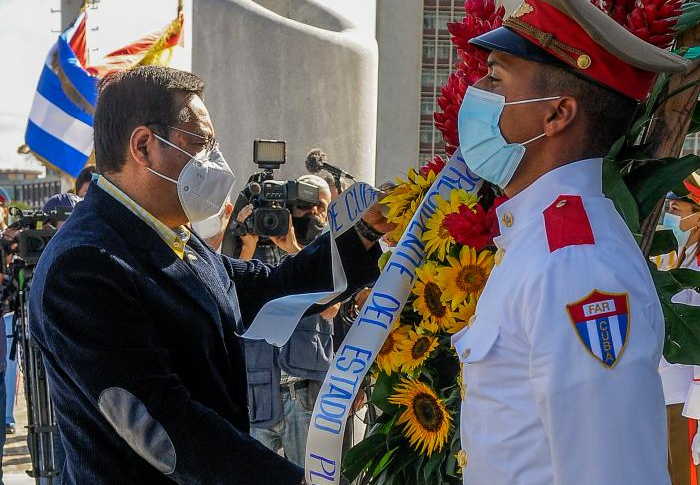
{"x":695,"y":448}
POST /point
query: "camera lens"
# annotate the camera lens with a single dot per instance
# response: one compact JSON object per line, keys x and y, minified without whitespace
{"x":270,"y":222}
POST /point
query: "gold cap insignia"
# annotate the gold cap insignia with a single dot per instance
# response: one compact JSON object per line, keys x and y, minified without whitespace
{"x":584,"y":61}
{"x":524,"y":9}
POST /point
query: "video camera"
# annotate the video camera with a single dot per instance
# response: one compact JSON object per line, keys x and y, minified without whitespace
{"x":30,"y":232}
{"x":272,"y":198}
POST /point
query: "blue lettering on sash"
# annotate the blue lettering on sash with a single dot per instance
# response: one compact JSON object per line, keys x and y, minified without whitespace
{"x":426,"y":213}
{"x":333,"y":215}
{"x":350,"y":194}
{"x":362,"y":356}
{"x":413,"y":224}
{"x":403,"y":270}
{"x":413,"y":243}
{"x":461,"y":181}
{"x":334,"y":404}
{"x":326,"y":470}
{"x":383,"y":305}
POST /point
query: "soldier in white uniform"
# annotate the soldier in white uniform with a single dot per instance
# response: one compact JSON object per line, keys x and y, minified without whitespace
{"x":561,"y":361}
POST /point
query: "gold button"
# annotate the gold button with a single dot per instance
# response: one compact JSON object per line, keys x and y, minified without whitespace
{"x":462,"y":458}
{"x":584,"y":61}
{"x":177,"y":245}
{"x":561,"y":203}
{"x":498,"y":257}
{"x":507,"y":219}
{"x":192,"y":257}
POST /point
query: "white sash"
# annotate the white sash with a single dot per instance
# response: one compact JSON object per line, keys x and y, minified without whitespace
{"x":366,"y":337}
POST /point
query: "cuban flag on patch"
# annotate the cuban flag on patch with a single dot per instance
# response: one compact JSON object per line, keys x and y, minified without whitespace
{"x":601,"y":320}
{"x":60,"y":122}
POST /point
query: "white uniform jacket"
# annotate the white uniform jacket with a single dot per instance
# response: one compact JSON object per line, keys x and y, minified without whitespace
{"x":561,"y":361}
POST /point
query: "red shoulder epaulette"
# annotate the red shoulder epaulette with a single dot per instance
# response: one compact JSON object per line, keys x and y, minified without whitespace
{"x":566,"y":223}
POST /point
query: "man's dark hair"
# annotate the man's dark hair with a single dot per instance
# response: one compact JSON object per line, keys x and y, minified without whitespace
{"x":148,"y":95}
{"x":608,"y":114}
{"x":85,"y":176}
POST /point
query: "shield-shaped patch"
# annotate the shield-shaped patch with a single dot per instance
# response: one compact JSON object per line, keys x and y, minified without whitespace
{"x":602,"y":322}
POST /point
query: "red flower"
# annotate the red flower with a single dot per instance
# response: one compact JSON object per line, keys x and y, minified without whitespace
{"x":450,"y":101}
{"x":474,"y":227}
{"x":650,"y":20}
{"x":435,"y":165}
{"x":482,"y":16}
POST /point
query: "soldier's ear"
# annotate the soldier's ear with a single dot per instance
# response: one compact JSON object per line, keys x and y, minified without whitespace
{"x":562,"y":113}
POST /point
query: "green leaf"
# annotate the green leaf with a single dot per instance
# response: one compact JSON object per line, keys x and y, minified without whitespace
{"x":664,"y":242}
{"x":383,"y":388}
{"x":652,"y":180}
{"x":689,"y":18}
{"x":384,"y":462}
{"x":362,"y":455}
{"x":616,"y":190}
{"x":396,"y":471}
{"x":432,"y":466}
{"x":687,"y":278}
{"x":682,"y":344}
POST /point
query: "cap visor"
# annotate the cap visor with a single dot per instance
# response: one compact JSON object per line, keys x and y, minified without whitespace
{"x":505,"y":40}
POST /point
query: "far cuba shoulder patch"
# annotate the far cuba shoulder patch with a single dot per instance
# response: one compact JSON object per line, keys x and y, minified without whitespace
{"x":602,"y":322}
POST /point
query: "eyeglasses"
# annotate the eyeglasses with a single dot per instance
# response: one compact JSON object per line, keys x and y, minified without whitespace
{"x":209,"y":141}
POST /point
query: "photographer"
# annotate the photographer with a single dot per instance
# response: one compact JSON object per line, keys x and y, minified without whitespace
{"x":281,"y":404}
{"x":137,"y":318}
{"x":82,"y":181}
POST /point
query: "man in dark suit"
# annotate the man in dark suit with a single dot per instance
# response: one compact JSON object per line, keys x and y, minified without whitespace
{"x":137,"y":318}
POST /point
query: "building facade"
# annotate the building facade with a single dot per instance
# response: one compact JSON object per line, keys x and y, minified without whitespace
{"x":438,"y":58}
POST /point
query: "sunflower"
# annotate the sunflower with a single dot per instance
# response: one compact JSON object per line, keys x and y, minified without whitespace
{"x":437,"y":237}
{"x":463,"y":316}
{"x":389,"y":359}
{"x":414,"y":349}
{"x":406,"y":194}
{"x":429,"y":303}
{"x":466,"y":276}
{"x":427,"y":422}
{"x":402,"y":221}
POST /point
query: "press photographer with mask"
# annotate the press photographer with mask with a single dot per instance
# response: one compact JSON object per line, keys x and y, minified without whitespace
{"x":137,"y":318}
{"x":287,"y":380}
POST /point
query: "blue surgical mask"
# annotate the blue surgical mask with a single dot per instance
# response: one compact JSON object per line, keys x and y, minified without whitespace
{"x":481,"y":142}
{"x":673,"y":222}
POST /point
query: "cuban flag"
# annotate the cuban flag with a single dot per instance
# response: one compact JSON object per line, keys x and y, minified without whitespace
{"x":60,"y":122}
{"x":601,"y":321}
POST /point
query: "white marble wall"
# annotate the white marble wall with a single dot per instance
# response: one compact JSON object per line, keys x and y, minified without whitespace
{"x":297,"y":70}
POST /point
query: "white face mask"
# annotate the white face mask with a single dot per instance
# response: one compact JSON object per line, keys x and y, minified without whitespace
{"x":204,"y":182}
{"x":210,"y":227}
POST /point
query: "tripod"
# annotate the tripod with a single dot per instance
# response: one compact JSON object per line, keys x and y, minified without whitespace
{"x":41,"y":428}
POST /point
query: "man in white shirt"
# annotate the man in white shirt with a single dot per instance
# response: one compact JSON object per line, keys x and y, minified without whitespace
{"x":560,"y":362}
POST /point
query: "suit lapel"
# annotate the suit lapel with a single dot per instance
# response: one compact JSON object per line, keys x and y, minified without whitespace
{"x":152,"y":251}
{"x":179,"y":272}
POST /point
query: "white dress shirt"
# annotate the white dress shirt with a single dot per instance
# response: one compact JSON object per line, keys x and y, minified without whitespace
{"x":552,"y":398}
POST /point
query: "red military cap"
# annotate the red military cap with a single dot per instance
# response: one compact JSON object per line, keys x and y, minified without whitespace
{"x":578,"y":36}
{"x":692,"y":183}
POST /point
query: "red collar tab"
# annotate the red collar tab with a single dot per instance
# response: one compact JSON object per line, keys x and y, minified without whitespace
{"x":567,"y":224}
{"x":561,"y":36}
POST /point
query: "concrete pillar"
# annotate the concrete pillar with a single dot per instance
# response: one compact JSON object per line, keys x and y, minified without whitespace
{"x":69,"y":10}
{"x":510,"y":5}
{"x":288,"y":69}
{"x":399,"y":35}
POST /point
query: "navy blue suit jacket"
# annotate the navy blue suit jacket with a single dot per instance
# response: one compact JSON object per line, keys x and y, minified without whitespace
{"x":146,"y":372}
